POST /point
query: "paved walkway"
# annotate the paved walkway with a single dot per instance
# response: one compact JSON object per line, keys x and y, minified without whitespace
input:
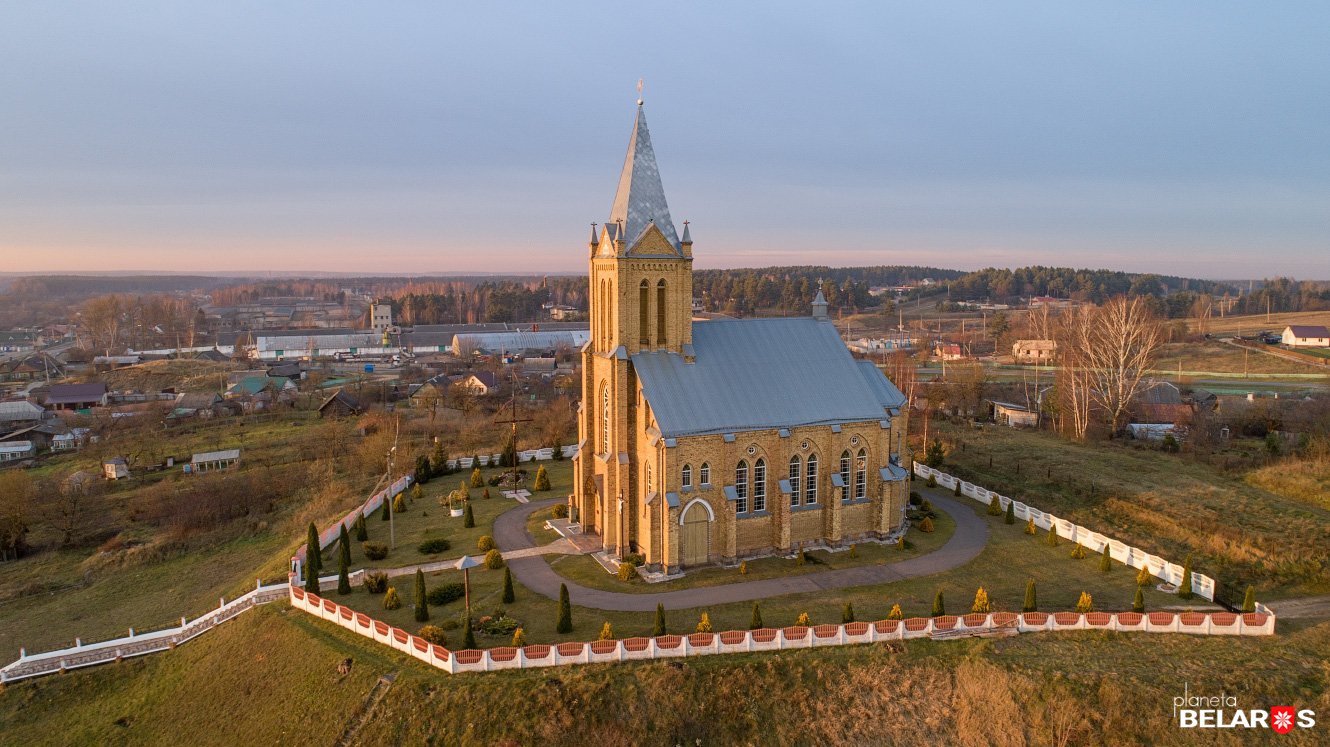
{"x":534,"y":573}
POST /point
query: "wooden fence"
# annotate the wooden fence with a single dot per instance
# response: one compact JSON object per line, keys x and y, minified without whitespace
{"x":774,"y":639}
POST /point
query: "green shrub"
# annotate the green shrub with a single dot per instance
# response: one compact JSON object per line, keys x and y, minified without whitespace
{"x":854,"y":551}
{"x":1184,"y":588}
{"x":1078,"y":552}
{"x":390,"y":599}
{"x":659,"y":628}
{"x":494,"y":559}
{"x":519,"y":638}
{"x":803,"y":620}
{"x":606,"y":632}
{"x":565,"y":621}
{"x":485,"y":543}
{"x":895,"y":613}
{"x":313,"y":560}
{"x":1085,"y":603}
{"x":441,"y":595}
{"x":376,"y":583}
{"x":560,"y":511}
{"x":374,"y":550}
{"x":1105,"y":560}
{"x":434,"y":634}
{"x":468,"y":518}
{"x":915,"y":498}
{"x":1248,"y":600}
{"x":343,"y":561}
{"x":626,"y":572}
{"x":704,"y":624}
{"x":450,"y":624}
{"x":433,"y":546}
{"x":801,"y":558}
{"x":1010,"y":516}
{"x":1031,"y":600}
{"x":542,"y":480}
{"x":932,"y":481}
{"x":847,"y":613}
{"x":399,"y":504}
{"x":926,"y":526}
{"x":1170,"y":444}
{"x":1029,"y":527}
{"x":755,"y":621}
{"x":362,"y":531}
{"x":468,"y":635}
{"x":994,"y":503}
{"x":743,"y":567}
{"x":933,"y":457}
{"x":1143,"y":576}
{"x":1138,"y":601}
{"x":421,"y":606}
{"x":981,"y":604}
{"x":939,"y":606}
{"x":477,"y":479}
{"x":1052,"y":536}
{"x":636,"y":559}
{"x":508,"y":595}
{"x":417,"y":492}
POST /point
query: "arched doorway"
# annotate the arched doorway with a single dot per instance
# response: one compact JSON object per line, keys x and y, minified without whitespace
{"x":696,"y":534}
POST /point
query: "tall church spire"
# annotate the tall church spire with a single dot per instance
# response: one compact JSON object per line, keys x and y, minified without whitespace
{"x":640,"y":199}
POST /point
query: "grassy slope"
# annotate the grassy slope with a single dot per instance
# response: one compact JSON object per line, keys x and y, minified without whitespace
{"x":270,"y":677}
{"x":1222,"y":357}
{"x":1166,"y":504}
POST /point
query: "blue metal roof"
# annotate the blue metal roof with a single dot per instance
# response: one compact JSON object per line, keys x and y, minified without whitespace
{"x":756,"y":374}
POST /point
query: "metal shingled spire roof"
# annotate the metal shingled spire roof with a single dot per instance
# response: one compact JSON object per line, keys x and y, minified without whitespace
{"x":640,"y":198}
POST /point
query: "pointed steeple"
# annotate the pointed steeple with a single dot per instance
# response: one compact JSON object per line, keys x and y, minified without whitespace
{"x":687,"y":239}
{"x":640,"y":198}
{"x":820,"y":306}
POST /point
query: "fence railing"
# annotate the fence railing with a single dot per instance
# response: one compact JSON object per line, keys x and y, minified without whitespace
{"x":774,"y":639}
{"x":1201,"y":585}
{"x":103,"y":652}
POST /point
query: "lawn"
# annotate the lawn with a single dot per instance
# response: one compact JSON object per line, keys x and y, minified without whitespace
{"x":1220,"y":357}
{"x":1168,"y":504}
{"x":426,"y":518}
{"x":1011,"y":558}
{"x":584,"y":569}
{"x":278,"y":668}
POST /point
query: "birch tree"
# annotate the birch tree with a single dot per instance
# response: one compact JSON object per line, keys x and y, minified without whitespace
{"x":1120,"y":346}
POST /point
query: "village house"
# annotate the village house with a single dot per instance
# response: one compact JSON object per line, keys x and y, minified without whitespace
{"x":340,"y":404}
{"x":1034,"y":351}
{"x":478,"y":383}
{"x":948,"y":351}
{"x":1014,"y":415}
{"x":201,"y":405}
{"x":13,"y":451}
{"x":115,"y":468}
{"x":35,"y":367}
{"x":12,"y":414}
{"x":76,"y":396}
{"x":1306,"y":336}
{"x":1158,"y":411}
{"x":711,"y":441}
{"x":75,"y":438}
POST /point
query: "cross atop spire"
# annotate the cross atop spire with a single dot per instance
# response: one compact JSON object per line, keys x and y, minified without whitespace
{"x":640,"y":199}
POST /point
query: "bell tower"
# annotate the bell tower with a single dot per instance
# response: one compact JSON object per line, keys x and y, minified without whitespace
{"x":641,"y":291}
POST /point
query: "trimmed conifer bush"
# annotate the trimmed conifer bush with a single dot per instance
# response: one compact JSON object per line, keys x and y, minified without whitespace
{"x":994,"y":506}
{"x":494,"y":559}
{"x":626,"y":572}
{"x":659,"y":628}
{"x":755,"y":621}
{"x":422,"y":607}
{"x":519,"y":638}
{"x":374,"y":550}
{"x":896,"y":613}
{"x":1031,"y":599}
{"x":433,"y":546}
{"x":362,"y":531}
{"x":565,"y":621}
{"x":542,"y":480}
{"x":1029,"y":527}
{"x":1085,"y":603}
{"x":1249,"y":600}
{"x":1052,"y":536}
{"x":704,"y":624}
{"x":477,"y":479}
{"x":468,"y":518}
{"x":390,"y":599}
{"x":932,"y":481}
{"x":313,"y":559}
{"x":606,"y":632}
{"x":1138,"y":601}
{"x":468,"y":635}
{"x":485,"y":494}
{"x":1143,"y":576}
{"x":417,"y":492}
{"x":343,"y":561}
{"x":956,"y":489}
{"x":804,"y":620}
{"x":854,"y":551}
{"x":847,"y":613}
{"x":508,"y":595}
{"x":926,"y":526}
{"x":376,"y":583}
{"x":981,"y":604}
{"x":560,"y":511}
{"x":1184,"y":588}
{"x":1010,"y":515}
{"x":1078,"y":552}
{"x":743,"y":568}
{"x":802,"y":558}
{"x":939,"y":606}
{"x":1105,"y":560}
{"x":485,"y":543}
{"x":434,"y":634}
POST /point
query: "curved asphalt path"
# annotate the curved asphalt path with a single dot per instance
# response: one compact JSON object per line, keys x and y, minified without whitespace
{"x":534,"y":573}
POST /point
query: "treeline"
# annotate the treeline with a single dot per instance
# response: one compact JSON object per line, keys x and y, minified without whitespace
{"x":791,"y":289}
{"x":1097,"y":286}
{"x":1285,"y":294}
{"x":43,"y":286}
{"x":464,"y":302}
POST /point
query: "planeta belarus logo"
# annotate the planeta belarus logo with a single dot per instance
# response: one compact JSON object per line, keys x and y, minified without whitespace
{"x":1281,"y":719}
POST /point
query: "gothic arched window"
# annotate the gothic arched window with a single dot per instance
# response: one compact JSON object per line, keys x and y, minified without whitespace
{"x":643,"y":316}
{"x":760,"y":485}
{"x":687,"y":476}
{"x":810,"y":481}
{"x":704,"y":475}
{"x":660,"y":312}
{"x":796,"y":480}
{"x":605,"y":419}
{"x":845,"y":474}
{"x":741,"y":487}
{"x":861,"y":474}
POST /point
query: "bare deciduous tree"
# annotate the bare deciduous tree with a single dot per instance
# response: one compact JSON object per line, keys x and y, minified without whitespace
{"x":1122,"y":343}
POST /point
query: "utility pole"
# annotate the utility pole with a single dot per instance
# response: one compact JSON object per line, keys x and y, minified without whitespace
{"x":513,"y":420}
{"x":388,"y":504}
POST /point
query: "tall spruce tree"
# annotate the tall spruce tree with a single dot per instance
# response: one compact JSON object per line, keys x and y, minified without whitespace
{"x":565,"y":622}
{"x":756,"y":621}
{"x":468,"y":518}
{"x":343,"y":561}
{"x":939,"y":607}
{"x":469,"y":636}
{"x":313,"y":560}
{"x":1031,"y":601}
{"x":422,"y":604}
{"x":1010,"y":518}
{"x":1105,"y":560}
{"x":1138,"y":601}
{"x":362,"y":531}
{"x":1184,"y":588}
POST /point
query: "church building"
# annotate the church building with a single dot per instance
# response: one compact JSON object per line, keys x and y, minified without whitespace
{"x":710,"y":441}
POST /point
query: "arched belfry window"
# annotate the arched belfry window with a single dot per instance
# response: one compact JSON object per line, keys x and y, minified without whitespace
{"x":643,"y":313}
{"x":605,"y":419}
{"x":660,"y":313}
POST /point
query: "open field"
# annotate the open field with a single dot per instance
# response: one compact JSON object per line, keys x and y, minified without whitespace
{"x":1220,"y":357}
{"x":271,"y":676}
{"x":1252,"y":323}
{"x":1168,"y":504}
{"x":1010,"y":559}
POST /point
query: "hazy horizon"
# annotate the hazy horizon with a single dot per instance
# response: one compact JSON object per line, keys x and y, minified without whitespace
{"x":420,"y":140}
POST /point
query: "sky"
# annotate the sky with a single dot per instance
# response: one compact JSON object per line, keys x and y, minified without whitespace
{"x":1188,"y":138}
